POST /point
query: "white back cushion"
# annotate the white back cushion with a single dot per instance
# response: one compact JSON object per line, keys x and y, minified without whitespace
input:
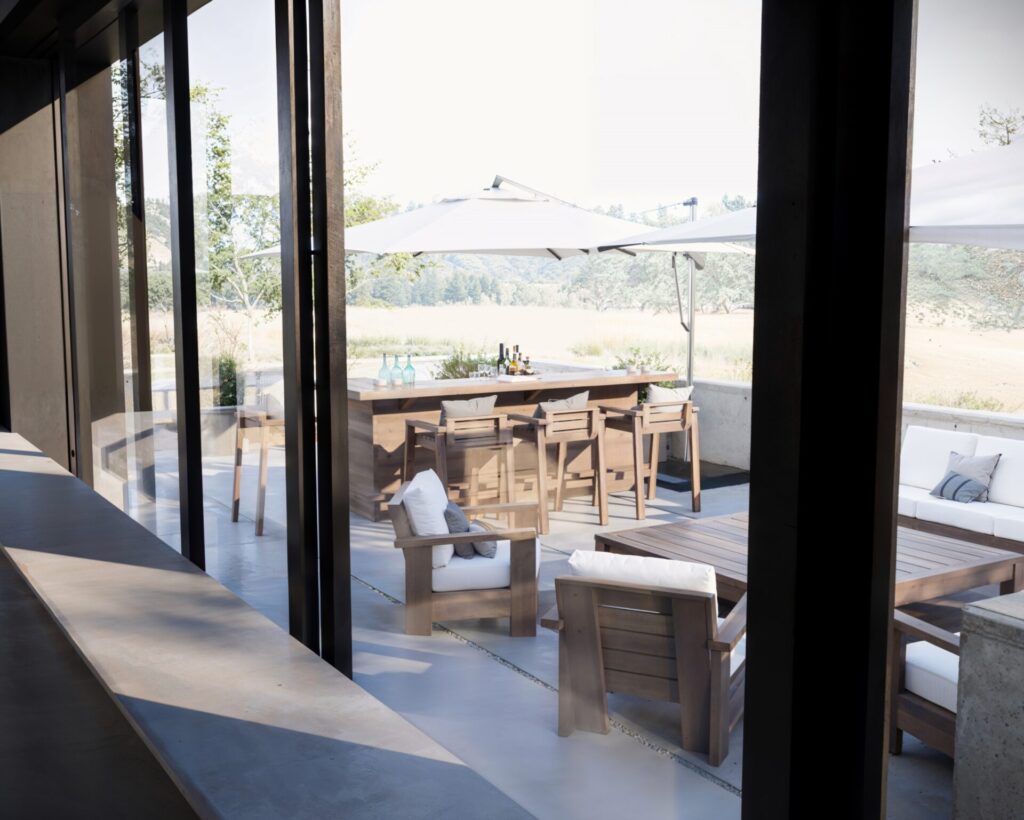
{"x":425,"y":501}
{"x":657,"y":393}
{"x":1007,"y":485}
{"x":656,"y":572}
{"x":925,"y":454}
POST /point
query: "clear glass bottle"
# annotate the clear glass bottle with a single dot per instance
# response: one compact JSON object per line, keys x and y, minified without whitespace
{"x":384,"y":374}
{"x":396,"y":373}
{"x":409,"y":372}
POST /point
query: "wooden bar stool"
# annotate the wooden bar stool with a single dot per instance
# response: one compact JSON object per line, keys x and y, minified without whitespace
{"x":467,"y":434}
{"x":562,"y":427}
{"x":653,"y":419}
{"x":268,"y":427}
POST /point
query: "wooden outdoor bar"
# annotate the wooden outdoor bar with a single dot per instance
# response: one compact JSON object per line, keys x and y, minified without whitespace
{"x":377,"y":418}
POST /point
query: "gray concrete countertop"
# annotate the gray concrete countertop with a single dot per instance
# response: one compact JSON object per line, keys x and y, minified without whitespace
{"x":247,"y":721}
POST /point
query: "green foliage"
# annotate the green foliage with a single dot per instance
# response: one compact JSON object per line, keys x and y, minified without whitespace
{"x":587,"y":349}
{"x":230,"y":385}
{"x":736,"y":203}
{"x":998,"y":127}
{"x":460,"y":364}
{"x":372,"y":347}
{"x":650,"y":357}
{"x":965,"y":400}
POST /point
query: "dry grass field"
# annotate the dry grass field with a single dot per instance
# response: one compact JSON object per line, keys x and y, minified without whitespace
{"x":948,"y":364}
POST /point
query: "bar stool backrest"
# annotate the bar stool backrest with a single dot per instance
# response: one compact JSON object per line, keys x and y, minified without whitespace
{"x":667,"y":416}
{"x":477,"y":431}
{"x":571,"y":425}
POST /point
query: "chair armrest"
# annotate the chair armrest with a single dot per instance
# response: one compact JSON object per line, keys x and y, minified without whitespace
{"x":551,"y":620}
{"x":420,"y":424}
{"x":922,"y":630}
{"x":523,"y":534}
{"x":524,"y":419}
{"x":733,"y":628}
{"x":619,"y":411}
{"x":512,"y":506}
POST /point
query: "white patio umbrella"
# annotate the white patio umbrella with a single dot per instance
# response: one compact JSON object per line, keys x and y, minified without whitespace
{"x":976,"y":199}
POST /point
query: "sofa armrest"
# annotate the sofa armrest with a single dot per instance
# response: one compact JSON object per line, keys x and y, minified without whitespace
{"x":733,"y":628}
{"x":513,"y":535}
{"x":904,"y":624}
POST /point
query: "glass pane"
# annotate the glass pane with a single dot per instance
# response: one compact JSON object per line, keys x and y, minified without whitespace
{"x":235,"y":174}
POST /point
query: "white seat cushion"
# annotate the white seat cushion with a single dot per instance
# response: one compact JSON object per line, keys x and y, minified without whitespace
{"x":974,"y":517}
{"x":425,"y":500}
{"x":478,"y":572}
{"x":739,"y":654}
{"x":1009,"y":520}
{"x":1007,"y":485}
{"x":908,"y":498}
{"x":656,"y":572}
{"x":932,"y":673}
{"x":925,"y":453}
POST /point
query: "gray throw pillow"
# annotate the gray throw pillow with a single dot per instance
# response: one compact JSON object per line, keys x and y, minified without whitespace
{"x":488,"y":549}
{"x":464,"y":408}
{"x":956,"y":487}
{"x":457,"y":522}
{"x":577,"y":402}
{"x":980,"y":468}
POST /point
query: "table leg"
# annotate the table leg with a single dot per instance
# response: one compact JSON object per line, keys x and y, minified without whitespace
{"x":695,"y":464}
{"x":1015,"y":584}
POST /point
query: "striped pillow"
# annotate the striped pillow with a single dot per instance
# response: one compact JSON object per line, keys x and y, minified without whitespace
{"x":956,"y":487}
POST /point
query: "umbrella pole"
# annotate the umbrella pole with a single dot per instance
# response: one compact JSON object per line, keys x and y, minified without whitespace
{"x":690,"y":306}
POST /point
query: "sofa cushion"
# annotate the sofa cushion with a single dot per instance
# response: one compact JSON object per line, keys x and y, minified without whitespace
{"x":425,"y":501}
{"x":978,"y":467}
{"x":1009,"y":520}
{"x":973,"y":517}
{"x":656,"y":572}
{"x":925,"y":454}
{"x":658,"y":393}
{"x":478,"y":572}
{"x":575,"y":402}
{"x":932,"y":673}
{"x":488,"y":549}
{"x":457,"y":523}
{"x":466,"y":408}
{"x":908,"y":498}
{"x":959,"y":488}
{"x":1007,"y":486}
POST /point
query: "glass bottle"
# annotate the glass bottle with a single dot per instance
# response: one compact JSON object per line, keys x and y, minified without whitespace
{"x":396,"y":373}
{"x":409,"y":373}
{"x":384,"y":374}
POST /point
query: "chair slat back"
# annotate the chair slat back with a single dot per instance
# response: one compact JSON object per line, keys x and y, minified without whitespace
{"x":667,"y":416}
{"x":477,"y":431}
{"x":634,"y":635}
{"x":571,"y":425}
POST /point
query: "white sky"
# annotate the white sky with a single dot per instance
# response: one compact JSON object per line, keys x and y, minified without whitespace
{"x":596,"y":101}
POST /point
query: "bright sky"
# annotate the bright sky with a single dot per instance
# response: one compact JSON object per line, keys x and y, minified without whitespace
{"x":596,"y":101}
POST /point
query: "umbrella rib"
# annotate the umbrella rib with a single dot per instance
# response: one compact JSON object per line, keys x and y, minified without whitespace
{"x":559,"y":258}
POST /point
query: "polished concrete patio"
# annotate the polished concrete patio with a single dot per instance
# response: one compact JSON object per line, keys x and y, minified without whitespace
{"x":492,"y":699}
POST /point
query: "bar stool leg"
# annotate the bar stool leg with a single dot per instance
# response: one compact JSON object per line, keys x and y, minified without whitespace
{"x":602,"y":479}
{"x":261,"y":487}
{"x":409,"y":455}
{"x":473,"y":462}
{"x":695,"y":464}
{"x":542,"y":482}
{"x":560,"y":476}
{"x":441,"y":459}
{"x":638,"y":468}
{"x":510,"y":473}
{"x":236,"y":493}
{"x":652,"y":481}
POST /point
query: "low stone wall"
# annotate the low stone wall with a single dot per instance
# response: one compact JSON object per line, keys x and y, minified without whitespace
{"x":725,"y":422}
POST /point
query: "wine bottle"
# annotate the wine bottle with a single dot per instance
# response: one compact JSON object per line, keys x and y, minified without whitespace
{"x":384,"y":374}
{"x":409,"y":373}
{"x":513,"y":366}
{"x":396,"y":373}
{"x":501,"y":364}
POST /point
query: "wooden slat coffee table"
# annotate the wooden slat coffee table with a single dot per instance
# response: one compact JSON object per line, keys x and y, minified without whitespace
{"x":927,"y":566}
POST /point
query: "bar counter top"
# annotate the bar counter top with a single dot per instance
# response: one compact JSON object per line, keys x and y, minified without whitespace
{"x":367,"y":390}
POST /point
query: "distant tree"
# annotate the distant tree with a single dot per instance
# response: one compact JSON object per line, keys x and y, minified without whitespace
{"x":998,"y":127}
{"x":456,"y":292}
{"x":735,"y":203}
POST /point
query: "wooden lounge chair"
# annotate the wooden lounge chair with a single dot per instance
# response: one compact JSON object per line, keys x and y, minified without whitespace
{"x":652,"y":642}
{"x":517,"y":600}
{"x":924,"y":684}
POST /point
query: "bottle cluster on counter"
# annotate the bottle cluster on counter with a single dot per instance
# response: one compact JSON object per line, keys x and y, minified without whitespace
{"x":396,"y":375}
{"x":511,"y":362}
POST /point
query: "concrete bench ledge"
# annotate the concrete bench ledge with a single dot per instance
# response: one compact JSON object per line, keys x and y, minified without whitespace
{"x":244,"y":719}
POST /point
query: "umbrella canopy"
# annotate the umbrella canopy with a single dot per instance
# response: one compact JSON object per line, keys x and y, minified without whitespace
{"x":977,"y":199}
{"x":506,"y":219}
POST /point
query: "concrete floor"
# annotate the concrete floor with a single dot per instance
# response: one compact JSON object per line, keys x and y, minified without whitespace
{"x":491,"y":699}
